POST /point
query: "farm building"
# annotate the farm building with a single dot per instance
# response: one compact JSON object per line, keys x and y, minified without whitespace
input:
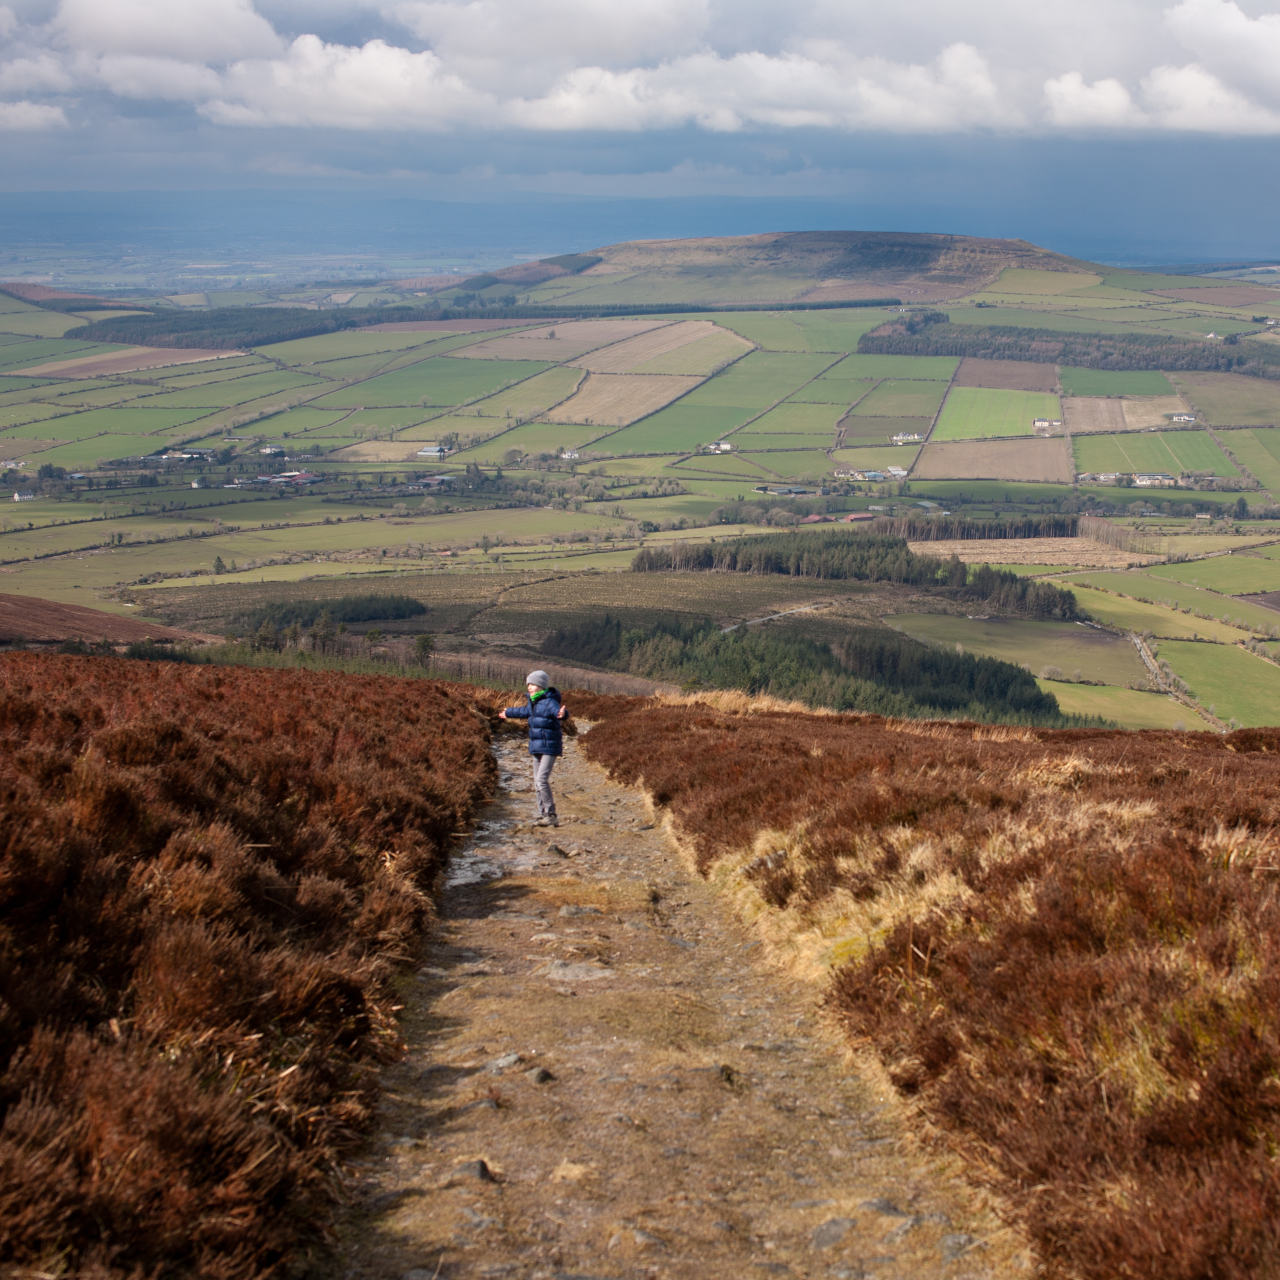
{"x":24,"y":497}
{"x":907,"y":437}
{"x":1154,"y":480}
{"x":720,"y":446}
{"x":433,"y":450}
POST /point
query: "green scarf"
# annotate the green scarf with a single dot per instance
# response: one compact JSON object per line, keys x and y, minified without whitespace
{"x":533,"y":697}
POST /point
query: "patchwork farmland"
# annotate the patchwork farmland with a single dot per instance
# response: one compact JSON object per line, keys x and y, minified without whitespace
{"x":381,"y":448}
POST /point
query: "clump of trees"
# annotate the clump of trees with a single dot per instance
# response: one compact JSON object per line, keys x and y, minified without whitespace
{"x":933,"y":334}
{"x":873,"y":669}
{"x":842,"y":555}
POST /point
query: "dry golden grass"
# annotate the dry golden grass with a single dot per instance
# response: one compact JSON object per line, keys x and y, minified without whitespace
{"x":122,"y":362}
{"x":559,"y":341}
{"x":1067,"y":552}
{"x":379,"y":451}
{"x":1048,"y":461}
{"x":616,"y":399}
{"x":1152,"y":411}
{"x":737,"y":703}
{"x":625,"y":357}
{"x":1084,"y":414}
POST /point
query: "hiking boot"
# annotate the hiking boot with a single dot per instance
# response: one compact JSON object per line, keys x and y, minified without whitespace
{"x":547,"y":820}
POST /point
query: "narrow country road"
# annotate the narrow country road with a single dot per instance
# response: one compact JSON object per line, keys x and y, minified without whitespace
{"x":607,"y":1079}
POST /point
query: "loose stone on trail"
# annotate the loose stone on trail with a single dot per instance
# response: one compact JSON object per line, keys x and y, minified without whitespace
{"x":652,"y":1097}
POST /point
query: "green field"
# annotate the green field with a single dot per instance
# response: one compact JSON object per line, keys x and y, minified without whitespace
{"x":899,"y":398}
{"x":1104,"y":382}
{"x":925,"y":368}
{"x":1258,"y":452}
{"x":837,"y":391}
{"x":782,"y":406}
{"x":1141,"y":616}
{"x":438,"y":380}
{"x":876,"y":458}
{"x":683,"y":426}
{"x":1046,"y":648}
{"x":975,"y":413}
{"x":1232,"y":683}
{"x":1143,"y":585}
{"x":1169,"y":452}
{"x":760,"y":379}
{"x":233,"y":391}
{"x":533,"y":438}
{"x":1229,"y":575}
{"x":1127,"y":708}
{"x":794,"y":416}
{"x":803,"y":331}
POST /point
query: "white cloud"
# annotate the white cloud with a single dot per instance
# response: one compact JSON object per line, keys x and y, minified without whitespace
{"x":1105,"y":104}
{"x":18,"y":117}
{"x":548,"y":37}
{"x":787,"y":91}
{"x":374,"y":86}
{"x":206,"y":31}
{"x":719,"y":66}
{"x":40,"y":73}
{"x":167,"y":79}
{"x":1241,"y":51}
{"x":1189,"y":98}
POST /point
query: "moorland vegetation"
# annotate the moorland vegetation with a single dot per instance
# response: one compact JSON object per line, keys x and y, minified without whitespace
{"x":1060,"y":944}
{"x":209,"y":879}
{"x":1055,"y":944}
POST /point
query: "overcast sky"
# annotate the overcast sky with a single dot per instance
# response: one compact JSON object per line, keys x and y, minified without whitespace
{"x":479,"y":99}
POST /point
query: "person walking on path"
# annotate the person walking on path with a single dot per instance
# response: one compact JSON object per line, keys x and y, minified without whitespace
{"x":544,"y":711}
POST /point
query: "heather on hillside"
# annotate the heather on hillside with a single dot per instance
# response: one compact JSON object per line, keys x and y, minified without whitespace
{"x":1063,"y":944}
{"x":207,"y":879}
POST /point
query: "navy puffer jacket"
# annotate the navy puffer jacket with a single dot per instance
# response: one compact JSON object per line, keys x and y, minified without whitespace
{"x":545,"y":737}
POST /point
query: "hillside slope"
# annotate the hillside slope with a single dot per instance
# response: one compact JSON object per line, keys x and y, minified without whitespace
{"x":811,"y":266}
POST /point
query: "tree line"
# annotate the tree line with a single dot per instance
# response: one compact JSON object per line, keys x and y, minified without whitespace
{"x":1084,"y":350}
{"x":839,"y":555}
{"x":874,"y":669}
{"x":920,"y":528}
{"x":233,"y":328}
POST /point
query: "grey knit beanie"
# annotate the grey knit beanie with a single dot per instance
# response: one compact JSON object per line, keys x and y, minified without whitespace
{"x":540,"y":678}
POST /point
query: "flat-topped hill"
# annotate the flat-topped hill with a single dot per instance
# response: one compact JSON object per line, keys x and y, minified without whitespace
{"x":813,"y":266}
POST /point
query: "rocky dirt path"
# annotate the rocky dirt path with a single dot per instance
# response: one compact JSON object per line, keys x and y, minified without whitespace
{"x":606,"y":1078}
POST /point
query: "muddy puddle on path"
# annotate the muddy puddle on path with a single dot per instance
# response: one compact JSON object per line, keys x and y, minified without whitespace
{"x":606,"y":1080}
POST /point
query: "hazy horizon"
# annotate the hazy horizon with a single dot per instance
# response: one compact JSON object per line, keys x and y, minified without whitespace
{"x":1126,"y":131}
{"x":227,"y":239}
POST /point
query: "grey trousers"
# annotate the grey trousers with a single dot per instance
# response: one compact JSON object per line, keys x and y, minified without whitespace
{"x":542,"y":766}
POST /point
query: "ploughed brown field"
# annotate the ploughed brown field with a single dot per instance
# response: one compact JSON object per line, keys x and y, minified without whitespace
{"x":1046,"y":460}
{"x":1007,"y":375}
